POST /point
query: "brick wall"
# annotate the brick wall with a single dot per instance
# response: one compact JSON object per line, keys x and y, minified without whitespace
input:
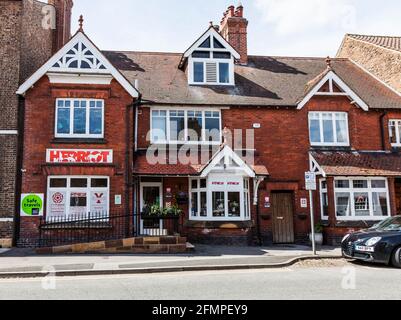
{"x":282,"y":145}
{"x":36,"y":41}
{"x":383,"y":63}
{"x":24,"y":47}
{"x":39,"y":136}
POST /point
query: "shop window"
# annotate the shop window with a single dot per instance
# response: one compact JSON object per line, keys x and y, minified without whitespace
{"x":79,"y":118}
{"x":77,"y":197}
{"x":220,"y":199}
{"x":324,"y":200}
{"x":358,"y":198}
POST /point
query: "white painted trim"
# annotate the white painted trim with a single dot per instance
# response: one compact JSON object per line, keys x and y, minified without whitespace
{"x":321,"y":190}
{"x":332,"y":76}
{"x":78,"y":78}
{"x":6,"y":219}
{"x":8,"y":132}
{"x":149,"y":184}
{"x":79,"y":37}
{"x":212,"y":32}
{"x":315,"y":166}
{"x":227,"y":153}
{"x":375,"y":77}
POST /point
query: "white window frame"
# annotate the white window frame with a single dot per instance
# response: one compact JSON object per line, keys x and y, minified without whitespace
{"x":211,"y":59}
{"x":186,"y":141}
{"x":323,"y":190}
{"x":351,"y":190}
{"x":68,"y":191}
{"x":71,"y":134}
{"x":397,"y":124}
{"x":240,"y":188}
{"x":328,"y":144}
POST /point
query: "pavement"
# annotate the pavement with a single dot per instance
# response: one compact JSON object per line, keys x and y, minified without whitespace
{"x":17,"y":263}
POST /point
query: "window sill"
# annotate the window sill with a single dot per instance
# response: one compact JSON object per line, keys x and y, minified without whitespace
{"x":329,"y":148}
{"x":227,"y":224}
{"x":79,"y":141}
{"x":356,"y":223}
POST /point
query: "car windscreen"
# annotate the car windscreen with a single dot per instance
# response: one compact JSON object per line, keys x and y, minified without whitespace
{"x":391,"y":224}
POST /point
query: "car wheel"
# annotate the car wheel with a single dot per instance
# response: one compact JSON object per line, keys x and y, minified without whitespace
{"x":396,"y":258}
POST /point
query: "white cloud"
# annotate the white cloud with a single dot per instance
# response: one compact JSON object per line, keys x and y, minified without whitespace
{"x":295,"y":16}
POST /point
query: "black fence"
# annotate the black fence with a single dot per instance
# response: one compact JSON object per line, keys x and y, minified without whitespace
{"x":101,"y":226}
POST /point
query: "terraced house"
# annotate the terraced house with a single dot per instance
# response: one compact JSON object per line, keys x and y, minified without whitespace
{"x":215,"y":135}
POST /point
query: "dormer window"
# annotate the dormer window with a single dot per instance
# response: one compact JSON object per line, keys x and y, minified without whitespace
{"x":211,"y":60}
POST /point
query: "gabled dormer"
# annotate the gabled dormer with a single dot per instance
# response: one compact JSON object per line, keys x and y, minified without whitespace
{"x":210,"y":60}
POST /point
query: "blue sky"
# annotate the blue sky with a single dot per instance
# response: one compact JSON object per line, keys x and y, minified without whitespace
{"x":276,"y":27}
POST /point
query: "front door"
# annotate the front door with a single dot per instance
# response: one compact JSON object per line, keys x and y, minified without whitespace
{"x":283,"y":218}
{"x":151,"y":195}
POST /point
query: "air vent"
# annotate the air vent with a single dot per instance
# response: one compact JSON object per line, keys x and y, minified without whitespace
{"x":211,"y":72}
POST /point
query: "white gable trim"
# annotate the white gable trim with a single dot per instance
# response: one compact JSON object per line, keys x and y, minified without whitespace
{"x":315,"y":167}
{"x":208,"y":33}
{"x":229,"y":156}
{"x":69,"y":78}
{"x":332,"y":77}
{"x":79,"y":37}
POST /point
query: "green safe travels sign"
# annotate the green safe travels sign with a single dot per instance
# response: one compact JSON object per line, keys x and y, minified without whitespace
{"x":32,"y":205}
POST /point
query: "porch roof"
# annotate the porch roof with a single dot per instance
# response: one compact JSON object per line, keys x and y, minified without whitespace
{"x":194,"y":168}
{"x":358,"y":163}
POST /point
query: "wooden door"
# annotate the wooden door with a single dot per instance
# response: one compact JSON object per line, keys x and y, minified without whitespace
{"x":283,"y":218}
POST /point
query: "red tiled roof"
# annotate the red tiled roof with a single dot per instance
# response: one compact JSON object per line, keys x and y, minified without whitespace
{"x":265,"y":81}
{"x":388,"y":42}
{"x":359,"y":163}
{"x":164,"y":167}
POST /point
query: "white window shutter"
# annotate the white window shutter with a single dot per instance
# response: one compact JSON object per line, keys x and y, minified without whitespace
{"x":211,"y":72}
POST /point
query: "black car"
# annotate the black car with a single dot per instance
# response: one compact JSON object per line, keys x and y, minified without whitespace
{"x":380,"y":244}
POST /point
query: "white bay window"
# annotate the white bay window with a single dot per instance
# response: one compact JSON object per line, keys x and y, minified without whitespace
{"x":220,"y":198}
{"x":358,"y":198}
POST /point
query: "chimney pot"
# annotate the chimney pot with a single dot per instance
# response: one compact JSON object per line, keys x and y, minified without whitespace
{"x":233,"y":27}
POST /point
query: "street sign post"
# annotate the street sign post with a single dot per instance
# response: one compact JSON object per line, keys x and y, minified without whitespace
{"x":310,"y":184}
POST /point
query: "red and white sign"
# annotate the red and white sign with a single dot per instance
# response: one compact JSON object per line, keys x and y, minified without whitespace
{"x":79,"y":156}
{"x":57,"y":204}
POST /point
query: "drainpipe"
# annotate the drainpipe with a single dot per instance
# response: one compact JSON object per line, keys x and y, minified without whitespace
{"x":256,"y":202}
{"x":134,"y":183}
{"x":383,"y":134}
{"x":18,"y":178}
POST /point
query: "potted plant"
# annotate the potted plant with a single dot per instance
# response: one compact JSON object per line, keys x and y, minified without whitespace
{"x":318,"y":234}
{"x":173,"y":211}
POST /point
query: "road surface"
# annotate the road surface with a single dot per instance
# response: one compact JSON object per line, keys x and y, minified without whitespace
{"x":338,"y":281}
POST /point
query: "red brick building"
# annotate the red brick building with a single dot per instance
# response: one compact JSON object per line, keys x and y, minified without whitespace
{"x":28,"y":30}
{"x":221,"y":135}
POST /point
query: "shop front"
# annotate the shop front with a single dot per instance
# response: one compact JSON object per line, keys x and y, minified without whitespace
{"x":214,"y":201}
{"x":356,"y":190}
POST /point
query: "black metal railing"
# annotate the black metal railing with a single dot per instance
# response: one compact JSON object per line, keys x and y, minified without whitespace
{"x":101,"y":226}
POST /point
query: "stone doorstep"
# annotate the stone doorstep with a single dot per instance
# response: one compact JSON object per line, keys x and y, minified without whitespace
{"x":168,"y":244}
{"x":6,"y":243}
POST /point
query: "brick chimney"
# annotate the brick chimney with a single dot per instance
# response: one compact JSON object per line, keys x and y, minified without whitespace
{"x":63,"y":22}
{"x":234,"y":27}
